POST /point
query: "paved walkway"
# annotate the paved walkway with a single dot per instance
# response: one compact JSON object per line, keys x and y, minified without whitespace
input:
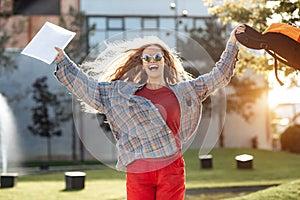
{"x":228,"y":189}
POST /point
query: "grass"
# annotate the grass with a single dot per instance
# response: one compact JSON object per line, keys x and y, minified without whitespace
{"x":268,"y":168}
{"x":108,"y":184}
{"x":100,"y":184}
{"x":287,"y":191}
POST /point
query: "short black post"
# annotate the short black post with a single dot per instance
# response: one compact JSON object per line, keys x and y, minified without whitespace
{"x":8,"y":180}
{"x":244,"y":161}
{"x":206,"y":161}
{"x":74,"y":180}
{"x":44,"y":166}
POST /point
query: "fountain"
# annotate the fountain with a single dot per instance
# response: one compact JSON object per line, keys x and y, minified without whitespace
{"x":7,"y":130}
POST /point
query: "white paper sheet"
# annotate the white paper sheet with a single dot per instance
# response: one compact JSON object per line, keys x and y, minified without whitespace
{"x":42,"y":45}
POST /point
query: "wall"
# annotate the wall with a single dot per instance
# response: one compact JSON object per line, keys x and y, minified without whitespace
{"x":140,"y":7}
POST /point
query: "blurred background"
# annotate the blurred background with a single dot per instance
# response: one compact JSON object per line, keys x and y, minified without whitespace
{"x":36,"y":111}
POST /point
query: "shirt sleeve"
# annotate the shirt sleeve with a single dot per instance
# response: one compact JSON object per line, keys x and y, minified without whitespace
{"x":86,"y":88}
{"x":220,"y":75}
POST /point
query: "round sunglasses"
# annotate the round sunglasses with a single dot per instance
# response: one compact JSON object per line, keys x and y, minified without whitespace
{"x":156,"y":57}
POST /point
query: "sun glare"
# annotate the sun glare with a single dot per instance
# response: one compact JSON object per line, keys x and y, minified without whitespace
{"x":281,"y":94}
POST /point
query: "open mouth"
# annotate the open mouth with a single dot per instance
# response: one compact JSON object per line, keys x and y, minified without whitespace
{"x":153,"y":67}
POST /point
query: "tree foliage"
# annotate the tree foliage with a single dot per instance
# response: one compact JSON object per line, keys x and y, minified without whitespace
{"x":290,"y":138}
{"x":48,"y":113}
{"x":254,"y":12}
{"x":288,"y":10}
{"x":258,"y":14}
{"x":7,"y":63}
{"x":43,"y":124}
{"x":212,"y":37}
{"x":76,"y":21}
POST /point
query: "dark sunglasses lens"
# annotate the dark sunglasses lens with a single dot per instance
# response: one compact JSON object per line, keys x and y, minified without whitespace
{"x":157,"y":56}
{"x":146,"y":57}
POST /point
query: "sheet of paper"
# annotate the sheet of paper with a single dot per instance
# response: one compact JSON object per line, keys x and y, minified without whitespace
{"x":42,"y":45}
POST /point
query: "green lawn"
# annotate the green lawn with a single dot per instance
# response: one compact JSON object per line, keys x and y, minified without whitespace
{"x":287,"y":191}
{"x":268,"y":168}
{"x":108,"y":184}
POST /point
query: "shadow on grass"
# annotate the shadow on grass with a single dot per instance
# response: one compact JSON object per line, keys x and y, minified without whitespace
{"x":71,"y":190}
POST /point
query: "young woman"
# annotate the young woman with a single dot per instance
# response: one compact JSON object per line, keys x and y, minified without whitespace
{"x":153,"y":107}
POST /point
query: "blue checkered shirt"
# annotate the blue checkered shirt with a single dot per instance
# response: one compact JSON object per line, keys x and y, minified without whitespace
{"x":137,"y":124}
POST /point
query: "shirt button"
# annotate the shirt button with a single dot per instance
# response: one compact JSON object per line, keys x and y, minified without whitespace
{"x":169,"y":131}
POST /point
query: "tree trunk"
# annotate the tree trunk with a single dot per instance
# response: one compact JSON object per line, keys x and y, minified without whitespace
{"x":74,"y":157}
{"x":49,"y":148}
{"x":74,"y":131}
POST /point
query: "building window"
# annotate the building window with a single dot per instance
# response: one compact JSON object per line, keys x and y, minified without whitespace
{"x":37,"y":7}
{"x":112,"y":26}
{"x":199,"y":23}
{"x":150,"y":23}
{"x":115,"y":23}
{"x":132,"y":22}
{"x":99,"y":22}
{"x":168,"y":23}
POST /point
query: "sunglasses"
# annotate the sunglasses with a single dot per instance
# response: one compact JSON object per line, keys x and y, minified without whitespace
{"x":156,"y":57}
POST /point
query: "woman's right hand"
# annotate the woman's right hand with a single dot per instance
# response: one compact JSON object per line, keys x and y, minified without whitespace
{"x":60,"y":54}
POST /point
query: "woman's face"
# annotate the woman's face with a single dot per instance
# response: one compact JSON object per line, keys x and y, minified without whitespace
{"x":153,"y":63}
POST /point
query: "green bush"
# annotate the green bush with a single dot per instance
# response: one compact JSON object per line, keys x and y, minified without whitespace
{"x":290,"y":139}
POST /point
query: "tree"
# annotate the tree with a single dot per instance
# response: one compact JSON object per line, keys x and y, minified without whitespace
{"x":256,"y":13}
{"x":290,"y":138}
{"x":48,"y":113}
{"x":76,"y":21}
{"x":7,"y":64}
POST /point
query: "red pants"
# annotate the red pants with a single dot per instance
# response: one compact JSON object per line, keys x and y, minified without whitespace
{"x":167,"y":183}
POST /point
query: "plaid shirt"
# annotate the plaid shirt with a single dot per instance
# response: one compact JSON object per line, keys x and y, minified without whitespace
{"x":136,"y":123}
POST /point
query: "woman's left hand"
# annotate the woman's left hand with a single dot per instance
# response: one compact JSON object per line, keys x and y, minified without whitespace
{"x":239,"y":29}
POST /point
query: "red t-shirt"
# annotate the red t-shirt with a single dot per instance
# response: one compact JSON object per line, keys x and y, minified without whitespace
{"x":166,"y":102}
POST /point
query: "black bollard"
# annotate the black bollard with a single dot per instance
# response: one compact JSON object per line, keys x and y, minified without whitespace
{"x":206,"y":161}
{"x":8,"y":180}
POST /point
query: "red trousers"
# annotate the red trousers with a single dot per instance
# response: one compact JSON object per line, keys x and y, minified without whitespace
{"x":167,"y":183}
